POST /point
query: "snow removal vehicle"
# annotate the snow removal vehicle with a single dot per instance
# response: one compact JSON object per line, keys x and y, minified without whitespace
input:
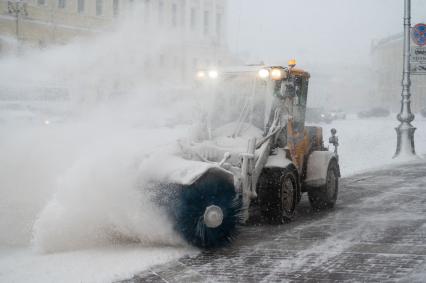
{"x":253,"y":154}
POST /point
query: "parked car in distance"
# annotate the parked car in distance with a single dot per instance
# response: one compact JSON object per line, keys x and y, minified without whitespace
{"x":338,"y":114}
{"x":374,"y":112}
{"x":318,"y":115}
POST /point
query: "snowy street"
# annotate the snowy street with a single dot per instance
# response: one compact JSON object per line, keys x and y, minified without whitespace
{"x":212,"y":141}
{"x":377,"y":233}
{"x":311,"y":245}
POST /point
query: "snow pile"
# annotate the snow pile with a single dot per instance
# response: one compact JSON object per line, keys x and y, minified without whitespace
{"x":369,"y":144}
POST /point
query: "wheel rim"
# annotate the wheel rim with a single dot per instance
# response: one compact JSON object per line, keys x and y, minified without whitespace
{"x":287,"y":196}
{"x":331,"y":183}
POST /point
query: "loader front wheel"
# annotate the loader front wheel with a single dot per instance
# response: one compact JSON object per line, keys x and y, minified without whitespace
{"x":325,"y":196}
{"x":277,"y":195}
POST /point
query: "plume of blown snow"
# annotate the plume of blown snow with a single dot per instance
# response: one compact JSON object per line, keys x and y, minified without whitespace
{"x":84,"y":182}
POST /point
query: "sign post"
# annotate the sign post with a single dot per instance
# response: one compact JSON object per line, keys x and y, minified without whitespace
{"x":418,"y":53}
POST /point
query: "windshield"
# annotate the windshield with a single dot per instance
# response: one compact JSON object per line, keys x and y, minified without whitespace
{"x":240,"y":102}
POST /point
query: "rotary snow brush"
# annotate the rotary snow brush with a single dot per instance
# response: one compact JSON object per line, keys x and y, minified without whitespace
{"x":207,"y":211}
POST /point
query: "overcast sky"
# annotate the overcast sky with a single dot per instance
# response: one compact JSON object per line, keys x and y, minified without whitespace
{"x":313,"y":31}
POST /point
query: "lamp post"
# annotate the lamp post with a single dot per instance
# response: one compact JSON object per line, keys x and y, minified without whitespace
{"x":405,"y":131}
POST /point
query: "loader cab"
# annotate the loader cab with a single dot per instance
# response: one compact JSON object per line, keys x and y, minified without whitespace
{"x":237,"y":98}
{"x":245,"y":95}
{"x":292,"y":87}
{"x":300,"y":80}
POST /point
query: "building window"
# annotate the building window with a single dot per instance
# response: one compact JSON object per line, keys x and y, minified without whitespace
{"x":174,"y":15}
{"x":147,"y":64}
{"x":41,"y":2}
{"x":99,"y":5}
{"x":162,"y":60}
{"x":218,"y":25}
{"x":147,"y":7}
{"x":182,"y":14}
{"x":206,"y":22}
{"x":175,"y":62}
{"x":160,"y":12}
{"x":80,"y":6}
{"x":193,"y":18}
{"x":115,"y":8}
{"x":61,"y":4}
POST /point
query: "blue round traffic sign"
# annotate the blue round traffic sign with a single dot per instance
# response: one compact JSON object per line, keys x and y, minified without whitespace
{"x":419,"y":34}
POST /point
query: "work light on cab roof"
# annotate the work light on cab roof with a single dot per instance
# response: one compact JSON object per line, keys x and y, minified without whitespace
{"x":263,"y":73}
{"x":201,"y":75}
{"x":207,"y":74}
{"x":277,"y":73}
{"x":213,"y":74}
{"x":292,"y":63}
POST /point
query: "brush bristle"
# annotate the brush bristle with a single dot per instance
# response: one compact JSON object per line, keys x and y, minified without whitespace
{"x":187,"y":205}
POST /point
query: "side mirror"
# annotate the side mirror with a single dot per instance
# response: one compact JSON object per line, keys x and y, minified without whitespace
{"x":334,"y":140}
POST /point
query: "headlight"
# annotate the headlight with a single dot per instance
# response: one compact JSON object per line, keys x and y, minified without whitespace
{"x":263,"y":74}
{"x":201,"y":75}
{"x":213,"y":74}
{"x":277,"y":74}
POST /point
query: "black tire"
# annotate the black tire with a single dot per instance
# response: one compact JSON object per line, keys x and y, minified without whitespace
{"x":277,"y":195}
{"x":325,"y":197}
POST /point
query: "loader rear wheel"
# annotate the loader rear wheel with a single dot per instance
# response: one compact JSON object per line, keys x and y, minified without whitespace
{"x":325,"y":196}
{"x":277,"y":195}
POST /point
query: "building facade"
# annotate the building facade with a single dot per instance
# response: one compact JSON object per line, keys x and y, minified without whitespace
{"x":387,"y":63}
{"x":195,"y":29}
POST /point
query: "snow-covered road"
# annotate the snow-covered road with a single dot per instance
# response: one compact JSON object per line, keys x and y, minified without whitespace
{"x":376,"y":233}
{"x":365,"y":145}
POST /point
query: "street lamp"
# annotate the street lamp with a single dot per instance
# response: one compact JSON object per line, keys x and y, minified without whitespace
{"x":18,"y":9}
{"x":405,"y":131}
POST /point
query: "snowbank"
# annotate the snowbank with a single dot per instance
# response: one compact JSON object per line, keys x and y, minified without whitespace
{"x":367,"y":144}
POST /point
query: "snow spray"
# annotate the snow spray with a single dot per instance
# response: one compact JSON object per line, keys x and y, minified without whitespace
{"x":81,"y":181}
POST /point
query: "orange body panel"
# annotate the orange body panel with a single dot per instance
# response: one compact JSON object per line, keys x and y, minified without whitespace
{"x":301,"y":143}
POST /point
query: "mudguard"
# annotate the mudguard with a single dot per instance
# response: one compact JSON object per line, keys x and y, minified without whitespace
{"x":316,"y":172}
{"x":278,"y":160}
